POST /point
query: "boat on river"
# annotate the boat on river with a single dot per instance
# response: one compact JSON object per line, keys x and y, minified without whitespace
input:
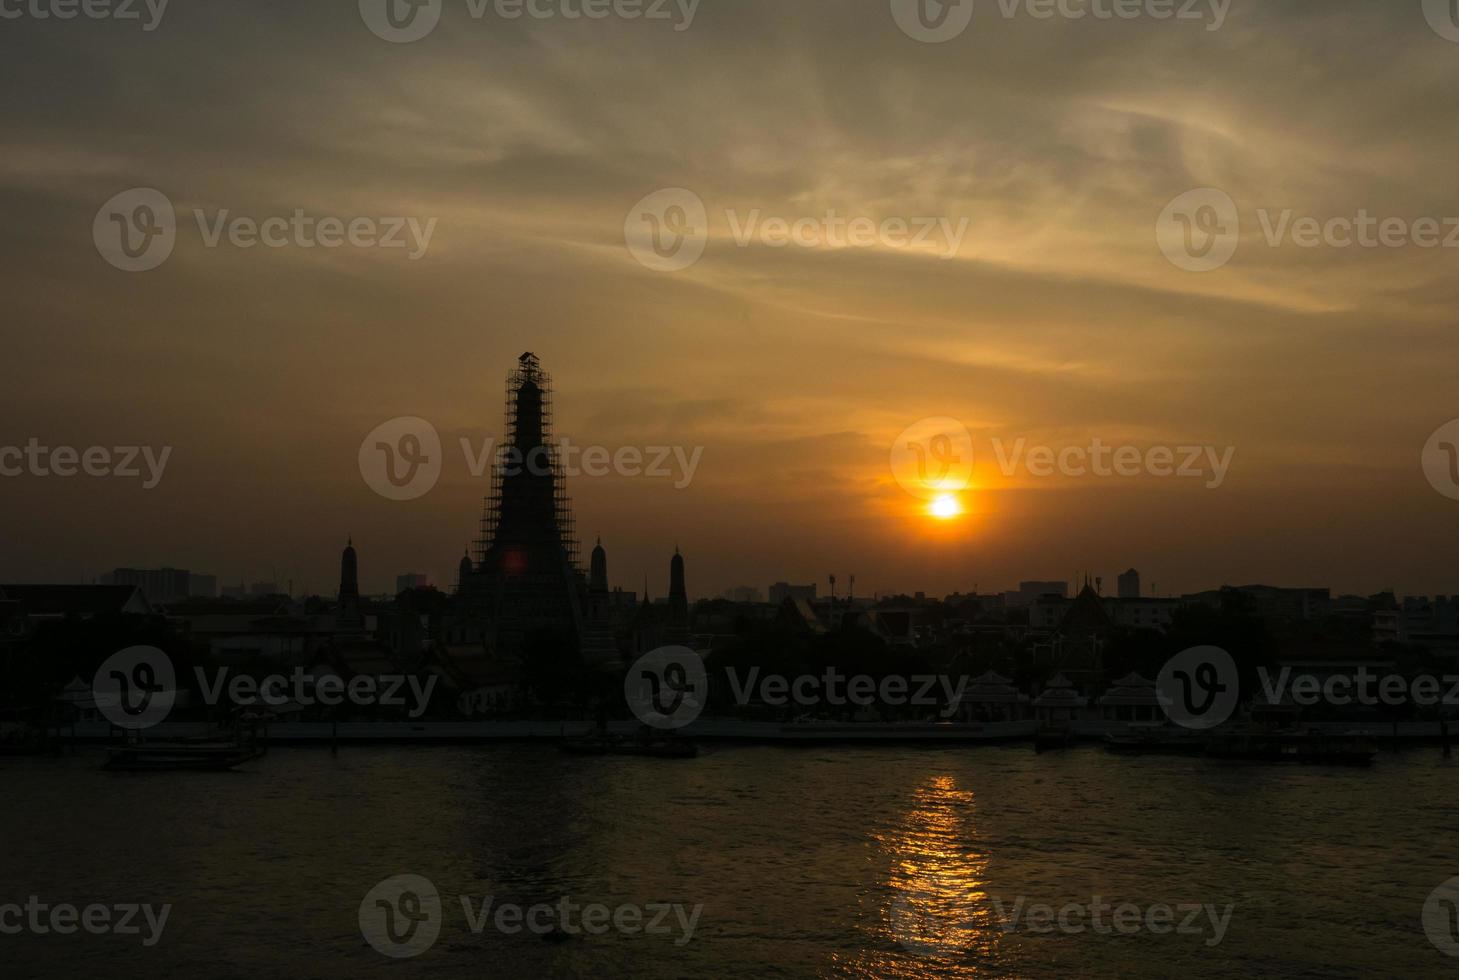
{"x":216,"y":753}
{"x":659,"y":745}
{"x":1308,"y":747}
{"x":1138,"y":739}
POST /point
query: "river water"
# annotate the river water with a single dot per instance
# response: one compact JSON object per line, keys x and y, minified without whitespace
{"x":800,"y":862}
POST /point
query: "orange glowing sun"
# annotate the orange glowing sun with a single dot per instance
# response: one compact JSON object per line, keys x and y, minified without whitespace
{"x":945,"y":507}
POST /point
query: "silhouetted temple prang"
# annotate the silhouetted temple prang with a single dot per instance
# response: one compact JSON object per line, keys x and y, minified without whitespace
{"x":525,"y":577}
{"x":350,"y":616}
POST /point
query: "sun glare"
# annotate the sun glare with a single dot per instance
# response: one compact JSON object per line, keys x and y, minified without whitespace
{"x":945,"y":507}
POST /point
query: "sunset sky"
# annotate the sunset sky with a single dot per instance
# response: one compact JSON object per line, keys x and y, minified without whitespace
{"x":795,"y":368}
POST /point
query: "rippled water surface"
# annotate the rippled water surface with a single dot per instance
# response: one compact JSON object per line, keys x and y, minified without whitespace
{"x":806,"y":862}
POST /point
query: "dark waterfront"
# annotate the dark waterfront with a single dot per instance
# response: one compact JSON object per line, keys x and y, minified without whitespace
{"x":805,"y":862}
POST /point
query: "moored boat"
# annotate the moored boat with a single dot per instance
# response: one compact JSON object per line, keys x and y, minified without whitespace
{"x":208,"y":754}
{"x":175,"y":756}
{"x":1308,"y":747}
{"x":1156,"y":740}
{"x":659,"y":746}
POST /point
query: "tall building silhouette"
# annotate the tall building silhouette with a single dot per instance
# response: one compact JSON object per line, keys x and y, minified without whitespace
{"x":678,"y":595}
{"x":349,"y":616}
{"x":678,"y":620}
{"x":599,"y":603}
{"x":525,"y":577}
{"x":1129,"y":584}
{"x":598,"y":569}
{"x":464,"y":570}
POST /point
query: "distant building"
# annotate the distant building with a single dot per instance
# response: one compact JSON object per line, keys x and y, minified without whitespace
{"x":350,"y":615}
{"x":678,"y":593}
{"x":35,"y":602}
{"x":464,"y":571}
{"x":411,"y":580}
{"x":1051,"y":612}
{"x":781,"y":591}
{"x":1273,"y":603}
{"x":742,"y":593}
{"x":157,"y":584}
{"x":1129,"y":584}
{"x":1030,"y":592}
{"x":265,"y":627}
{"x":203,"y":585}
{"x":621,"y":603}
{"x":1419,"y":621}
{"x":264,"y":589}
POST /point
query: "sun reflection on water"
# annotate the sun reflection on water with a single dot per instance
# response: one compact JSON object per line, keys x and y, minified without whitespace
{"x":935,"y":916}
